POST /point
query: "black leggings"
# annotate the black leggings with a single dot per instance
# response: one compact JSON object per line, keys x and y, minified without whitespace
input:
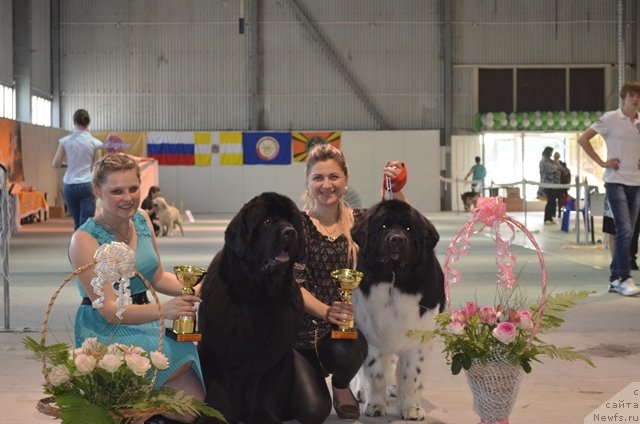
{"x":342,"y":358}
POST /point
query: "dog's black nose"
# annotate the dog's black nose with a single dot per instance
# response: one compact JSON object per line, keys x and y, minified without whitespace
{"x":288,"y":233}
{"x":396,"y":239}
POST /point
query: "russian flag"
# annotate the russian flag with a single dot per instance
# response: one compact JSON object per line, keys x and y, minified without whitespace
{"x":171,"y":148}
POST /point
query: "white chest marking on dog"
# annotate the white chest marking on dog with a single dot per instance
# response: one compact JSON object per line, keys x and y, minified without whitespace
{"x":386,"y":314}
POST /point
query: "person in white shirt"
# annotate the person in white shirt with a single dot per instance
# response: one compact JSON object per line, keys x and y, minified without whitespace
{"x":78,"y":152}
{"x":620,"y":129}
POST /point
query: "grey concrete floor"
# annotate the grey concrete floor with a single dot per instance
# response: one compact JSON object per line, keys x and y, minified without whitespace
{"x":605,"y":325}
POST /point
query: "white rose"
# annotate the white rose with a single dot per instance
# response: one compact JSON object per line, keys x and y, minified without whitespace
{"x":117,"y":349}
{"x":159,"y":360}
{"x":110,"y":363}
{"x":136,"y":350}
{"x":90,"y":343}
{"x":138,"y":364}
{"x":59,"y":375}
{"x":85,"y":363}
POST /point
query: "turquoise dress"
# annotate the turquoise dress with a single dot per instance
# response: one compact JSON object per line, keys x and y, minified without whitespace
{"x":89,"y":323}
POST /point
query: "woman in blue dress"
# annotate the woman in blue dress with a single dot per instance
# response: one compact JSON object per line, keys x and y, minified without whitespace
{"x":116,"y":182}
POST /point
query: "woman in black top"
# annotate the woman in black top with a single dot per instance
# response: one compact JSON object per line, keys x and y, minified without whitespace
{"x":327,"y":221}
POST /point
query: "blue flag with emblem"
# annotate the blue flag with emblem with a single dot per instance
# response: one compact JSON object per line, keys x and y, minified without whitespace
{"x":266,"y":148}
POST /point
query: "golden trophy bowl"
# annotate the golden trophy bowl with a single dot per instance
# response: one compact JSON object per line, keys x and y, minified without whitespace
{"x":184,"y":327}
{"x":347,"y":280}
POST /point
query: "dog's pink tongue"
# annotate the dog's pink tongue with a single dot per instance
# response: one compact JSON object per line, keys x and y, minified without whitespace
{"x":283,"y":257}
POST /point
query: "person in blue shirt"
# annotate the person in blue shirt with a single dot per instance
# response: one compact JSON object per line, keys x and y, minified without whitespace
{"x":479,"y":172}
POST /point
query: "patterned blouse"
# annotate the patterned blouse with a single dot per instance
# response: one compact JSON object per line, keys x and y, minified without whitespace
{"x":314,"y":274}
{"x":550,"y":171}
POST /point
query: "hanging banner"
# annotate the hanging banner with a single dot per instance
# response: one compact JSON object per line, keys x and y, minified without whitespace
{"x":171,"y":148}
{"x":131,"y":143}
{"x":266,"y":148}
{"x":302,"y":142}
{"x":218,"y":148}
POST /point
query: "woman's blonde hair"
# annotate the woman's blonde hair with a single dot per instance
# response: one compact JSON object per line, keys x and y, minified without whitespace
{"x":322,"y":153}
{"x":113,"y":162}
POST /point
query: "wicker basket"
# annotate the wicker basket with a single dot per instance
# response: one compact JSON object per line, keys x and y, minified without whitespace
{"x":123,"y":416}
{"x":495,"y":383}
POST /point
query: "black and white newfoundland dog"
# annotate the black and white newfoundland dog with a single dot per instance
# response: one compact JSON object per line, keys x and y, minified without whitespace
{"x":402,"y":289}
{"x":250,"y":311}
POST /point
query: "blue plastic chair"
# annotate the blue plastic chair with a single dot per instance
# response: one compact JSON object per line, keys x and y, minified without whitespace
{"x":569,"y":206}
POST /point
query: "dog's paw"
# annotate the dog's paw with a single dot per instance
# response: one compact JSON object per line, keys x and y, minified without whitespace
{"x":361,"y":395}
{"x":413,"y":413}
{"x":375,"y":410}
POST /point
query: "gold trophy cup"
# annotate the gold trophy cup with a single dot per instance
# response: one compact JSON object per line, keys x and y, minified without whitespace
{"x":347,"y":281}
{"x":184,"y":327}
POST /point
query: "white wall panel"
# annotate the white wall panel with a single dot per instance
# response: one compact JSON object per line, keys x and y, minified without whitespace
{"x":41,"y":48}
{"x":160,"y":65}
{"x":537,"y":32}
{"x":6,"y":42}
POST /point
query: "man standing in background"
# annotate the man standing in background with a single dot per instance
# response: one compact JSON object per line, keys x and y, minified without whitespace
{"x":620,"y":129}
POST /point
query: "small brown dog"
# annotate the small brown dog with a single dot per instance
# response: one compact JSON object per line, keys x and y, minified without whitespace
{"x":469,"y":199}
{"x":168,"y":216}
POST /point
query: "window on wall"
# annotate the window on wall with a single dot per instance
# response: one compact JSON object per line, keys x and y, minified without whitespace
{"x":7,"y":102}
{"x":540,"y":89}
{"x":495,"y":90}
{"x":40,"y":111}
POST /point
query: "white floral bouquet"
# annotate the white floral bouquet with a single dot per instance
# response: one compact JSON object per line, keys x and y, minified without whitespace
{"x":109,"y":383}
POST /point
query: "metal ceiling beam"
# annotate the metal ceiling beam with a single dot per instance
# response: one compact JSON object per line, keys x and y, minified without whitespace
{"x":317,"y":34}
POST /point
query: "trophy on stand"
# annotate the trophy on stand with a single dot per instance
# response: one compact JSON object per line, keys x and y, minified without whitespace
{"x":184,"y":327}
{"x":347,"y":281}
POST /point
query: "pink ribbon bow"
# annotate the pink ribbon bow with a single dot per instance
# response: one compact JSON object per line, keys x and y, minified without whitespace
{"x":490,"y":210}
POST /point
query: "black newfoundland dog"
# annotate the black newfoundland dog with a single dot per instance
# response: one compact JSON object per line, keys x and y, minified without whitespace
{"x":250,"y":313}
{"x":402,"y":289}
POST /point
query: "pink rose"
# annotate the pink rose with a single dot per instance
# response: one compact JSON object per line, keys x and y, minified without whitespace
{"x":159,"y":360}
{"x":488,"y":315}
{"x":138,"y":364}
{"x":524,"y":319}
{"x":110,"y":362}
{"x":505,"y":332}
{"x":59,"y":375}
{"x":85,"y":363}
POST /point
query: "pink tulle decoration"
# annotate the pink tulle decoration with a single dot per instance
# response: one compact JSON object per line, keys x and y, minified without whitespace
{"x":490,"y":214}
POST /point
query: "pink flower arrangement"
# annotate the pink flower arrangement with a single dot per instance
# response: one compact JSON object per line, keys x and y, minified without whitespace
{"x":481,"y":332}
{"x":508,"y":329}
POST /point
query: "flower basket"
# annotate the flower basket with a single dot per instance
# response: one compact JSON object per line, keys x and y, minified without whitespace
{"x":495,"y":378}
{"x":494,"y":386}
{"x":494,"y":344}
{"x":109,"y":383}
{"x":120,"y":263}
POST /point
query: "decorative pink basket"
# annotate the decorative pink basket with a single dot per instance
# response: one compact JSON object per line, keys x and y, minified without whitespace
{"x":494,"y":383}
{"x":490,"y":213}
